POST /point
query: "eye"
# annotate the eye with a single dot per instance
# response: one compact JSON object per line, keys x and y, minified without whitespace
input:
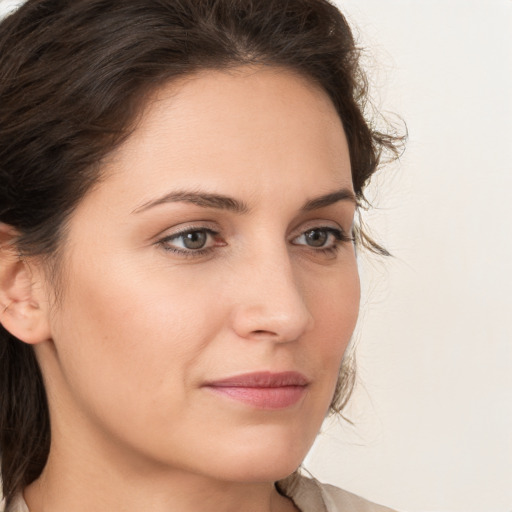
{"x":190,"y":241}
{"x":316,"y":237}
{"x":326,"y":238}
{"x":194,"y":239}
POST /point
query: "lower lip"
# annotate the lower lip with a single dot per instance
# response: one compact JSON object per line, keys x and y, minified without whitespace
{"x":262,"y":398}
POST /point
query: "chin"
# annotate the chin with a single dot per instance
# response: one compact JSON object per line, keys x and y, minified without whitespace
{"x":263,"y":462}
{"x":268,"y":472}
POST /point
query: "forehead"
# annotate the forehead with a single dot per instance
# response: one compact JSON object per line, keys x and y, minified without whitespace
{"x":245,"y":93}
{"x":266,"y":126}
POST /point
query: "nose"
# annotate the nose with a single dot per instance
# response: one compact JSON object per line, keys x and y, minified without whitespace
{"x":269,"y":302}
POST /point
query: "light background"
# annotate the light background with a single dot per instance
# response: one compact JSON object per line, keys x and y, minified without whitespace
{"x":433,"y":411}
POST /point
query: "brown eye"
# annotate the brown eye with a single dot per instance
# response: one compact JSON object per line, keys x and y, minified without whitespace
{"x":194,"y":239}
{"x":191,"y":241}
{"x":322,"y":238}
{"x":316,"y":237}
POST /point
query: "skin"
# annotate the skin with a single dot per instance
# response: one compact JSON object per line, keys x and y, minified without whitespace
{"x":140,"y":327}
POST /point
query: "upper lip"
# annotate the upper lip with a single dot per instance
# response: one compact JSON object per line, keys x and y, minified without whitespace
{"x":262,"y":380}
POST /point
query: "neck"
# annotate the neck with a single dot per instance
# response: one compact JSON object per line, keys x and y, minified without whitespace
{"x":83,"y":483}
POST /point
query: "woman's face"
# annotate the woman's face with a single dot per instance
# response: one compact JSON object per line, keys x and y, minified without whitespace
{"x":210,"y":282}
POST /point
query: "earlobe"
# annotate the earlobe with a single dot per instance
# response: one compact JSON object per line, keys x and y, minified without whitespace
{"x":23,"y":309}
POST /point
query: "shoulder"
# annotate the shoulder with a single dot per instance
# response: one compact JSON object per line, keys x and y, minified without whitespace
{"x":310,"y":495}
{"x":338,"y":499}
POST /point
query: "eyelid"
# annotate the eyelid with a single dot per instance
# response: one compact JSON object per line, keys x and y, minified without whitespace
{"x":338,"y":234}
{"x":320,"y":224}
{"x":186,"y":231}
{"x":185,"y":227}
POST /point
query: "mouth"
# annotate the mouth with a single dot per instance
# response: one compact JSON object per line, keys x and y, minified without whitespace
{"x":262,"y":390}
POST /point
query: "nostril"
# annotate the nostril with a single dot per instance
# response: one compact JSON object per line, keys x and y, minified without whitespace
{"x":262,"y":333}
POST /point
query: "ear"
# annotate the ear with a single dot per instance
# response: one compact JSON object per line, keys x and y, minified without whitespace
{"x":23,"y":304}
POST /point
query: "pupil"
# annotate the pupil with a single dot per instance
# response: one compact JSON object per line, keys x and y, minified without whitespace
{"x":194,"y":240}
{"x":316,"y":237}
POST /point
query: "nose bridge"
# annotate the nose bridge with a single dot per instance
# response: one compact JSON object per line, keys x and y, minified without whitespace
{"x":271,"y":303}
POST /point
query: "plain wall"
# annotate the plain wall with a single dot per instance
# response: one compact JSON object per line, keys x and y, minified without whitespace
{"x":433,"y":411}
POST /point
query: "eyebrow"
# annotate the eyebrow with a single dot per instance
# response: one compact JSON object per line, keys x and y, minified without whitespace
{"x":222,"y":202}
{"x":344,"y":194}
{"x":202,"y":199}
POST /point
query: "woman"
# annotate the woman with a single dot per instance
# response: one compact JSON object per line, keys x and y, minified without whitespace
{"x":178,"y":278}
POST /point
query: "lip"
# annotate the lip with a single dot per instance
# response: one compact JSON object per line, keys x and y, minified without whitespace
{"x":262,"y":390}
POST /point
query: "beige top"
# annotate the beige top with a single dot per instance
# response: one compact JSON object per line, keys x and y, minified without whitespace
{"x":309,"y":495}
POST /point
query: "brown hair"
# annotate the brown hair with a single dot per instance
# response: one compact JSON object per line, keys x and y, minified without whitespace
{"x":73,"y":77}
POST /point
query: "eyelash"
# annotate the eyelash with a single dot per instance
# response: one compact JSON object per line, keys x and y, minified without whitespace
{"x":188,"y":253}
{"x":340,"y":238}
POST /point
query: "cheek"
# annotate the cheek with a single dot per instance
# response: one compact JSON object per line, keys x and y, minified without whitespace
{"x":335,"y":308}
{"x":133,"y":337}
{"x":334,"y":303}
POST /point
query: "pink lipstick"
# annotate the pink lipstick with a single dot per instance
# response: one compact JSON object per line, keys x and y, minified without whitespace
{"x":263,"y":390}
